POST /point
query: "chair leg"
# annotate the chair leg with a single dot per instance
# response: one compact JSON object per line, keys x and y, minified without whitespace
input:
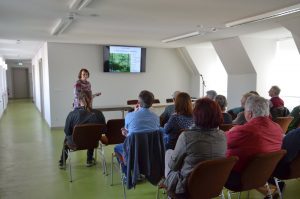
{"x":222,"y":195}
{"x":112,"y":169}
{"x":277,"y":186}
{"x":70,"y":167}
{"x":269,"y":190}
{"x":102,"y":155}
{"x":95,"y":154}
{"x":228,"y":194}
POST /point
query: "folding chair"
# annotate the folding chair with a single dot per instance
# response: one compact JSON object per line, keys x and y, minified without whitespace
{"x":112,"y":136}
{"x":144,"y":155}
{"x":284,"y":122}
{"x":85,"y":136}
{"x":208,"y":178}
{"x":292,"y":172}
{"x":258,"y":171}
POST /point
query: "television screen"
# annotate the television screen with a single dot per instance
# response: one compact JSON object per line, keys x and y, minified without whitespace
{"x":124,"y":59}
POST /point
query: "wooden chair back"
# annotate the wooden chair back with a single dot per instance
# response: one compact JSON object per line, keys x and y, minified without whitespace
{"x":87,"y":136}
{"x":284,"y":122}
{"x":260,"y":169}
{"x":208,"y":177}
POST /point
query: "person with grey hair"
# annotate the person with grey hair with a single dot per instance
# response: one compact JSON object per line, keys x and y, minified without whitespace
{"x":211,"y":94}
{"x":259,"y":135}
{"x":142,"y":119}
{"x":275,"y":100}
{"x":169,"y":110}
{"x":240,"y":118}
{"x":222,"y":101}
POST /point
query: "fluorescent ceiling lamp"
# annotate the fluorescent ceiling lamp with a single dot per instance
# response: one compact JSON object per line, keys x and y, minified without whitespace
{"x":79,"y":4}
{"x":191,"y":34}
{"x":62,"y":25}
{"x":265,"y":16}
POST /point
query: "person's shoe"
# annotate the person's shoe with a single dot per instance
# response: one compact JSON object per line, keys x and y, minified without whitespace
{"x":161,"y":184}
{"x":275,"y":195}
{"x":61,"y":164}
{"x":90,"y":163}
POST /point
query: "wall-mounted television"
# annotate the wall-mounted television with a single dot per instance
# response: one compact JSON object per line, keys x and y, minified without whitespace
{"x":128,"y":59}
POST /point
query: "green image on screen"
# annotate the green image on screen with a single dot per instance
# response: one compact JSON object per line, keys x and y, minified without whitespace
{"x":119,"y":62}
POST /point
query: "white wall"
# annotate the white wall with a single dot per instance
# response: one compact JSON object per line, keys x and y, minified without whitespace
{"x":3,"y":87}
{"x":165,"y":72}
{"x":210,"y":67}
{"x":262,"y":54}
{"x":41,"y":55}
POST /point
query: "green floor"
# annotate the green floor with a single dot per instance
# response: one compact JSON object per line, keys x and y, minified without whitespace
{"x":29,"y":153}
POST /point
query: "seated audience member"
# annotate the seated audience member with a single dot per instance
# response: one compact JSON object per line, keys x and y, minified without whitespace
{"x":169,"y":110}
{"x":83,"y":114}
{"x":203,"y":141}
{"x":275,"y":100}
{"x":259,"y":135}
{"x":235,"y":111}
{"x":254,"y":92}
{"x":296,"y":121}
{"x":211,"y":94}
{"x":240,"y":118}
{"x":221,"y":100}
{"x":140,"y":120}
{"x":181,"y":119}
{"x":291,"y":143}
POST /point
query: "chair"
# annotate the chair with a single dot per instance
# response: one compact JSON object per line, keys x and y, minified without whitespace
{"x":156,"y":101}
{"x":208,"y":177}
{"x":226,"y":127}
{"x":292,"y":172}
{"x":85,"y":136}
{"x":169,"y":100}
{"x":132,"y":102}
{"x":279,"y":112}
{"x":113,"y":135}
{"x":258,"y":171}
{"x":144,"y":155}
{"x":284,"y":122}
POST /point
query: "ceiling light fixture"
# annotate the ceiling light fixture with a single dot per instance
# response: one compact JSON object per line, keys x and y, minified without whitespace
{"x":62,"y":24}
{"x":201,"y":31}
{"x":191,"y":34}
{"x":265,"y":16}
{"x":79,"y":4}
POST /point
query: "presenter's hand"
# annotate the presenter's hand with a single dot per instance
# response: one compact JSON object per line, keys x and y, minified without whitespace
{"x":124,"y":132}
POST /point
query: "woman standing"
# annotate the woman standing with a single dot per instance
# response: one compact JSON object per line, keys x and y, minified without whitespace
{"x":82,"y":85}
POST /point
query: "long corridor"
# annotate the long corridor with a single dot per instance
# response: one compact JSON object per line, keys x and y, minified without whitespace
{"x":29,"y":154}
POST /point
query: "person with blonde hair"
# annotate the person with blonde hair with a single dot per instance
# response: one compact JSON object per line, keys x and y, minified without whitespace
{"x":83,"y":114}
{"x":240,"y":118}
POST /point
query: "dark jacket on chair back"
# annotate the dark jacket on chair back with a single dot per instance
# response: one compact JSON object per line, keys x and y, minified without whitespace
{"x":145,"y":154}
